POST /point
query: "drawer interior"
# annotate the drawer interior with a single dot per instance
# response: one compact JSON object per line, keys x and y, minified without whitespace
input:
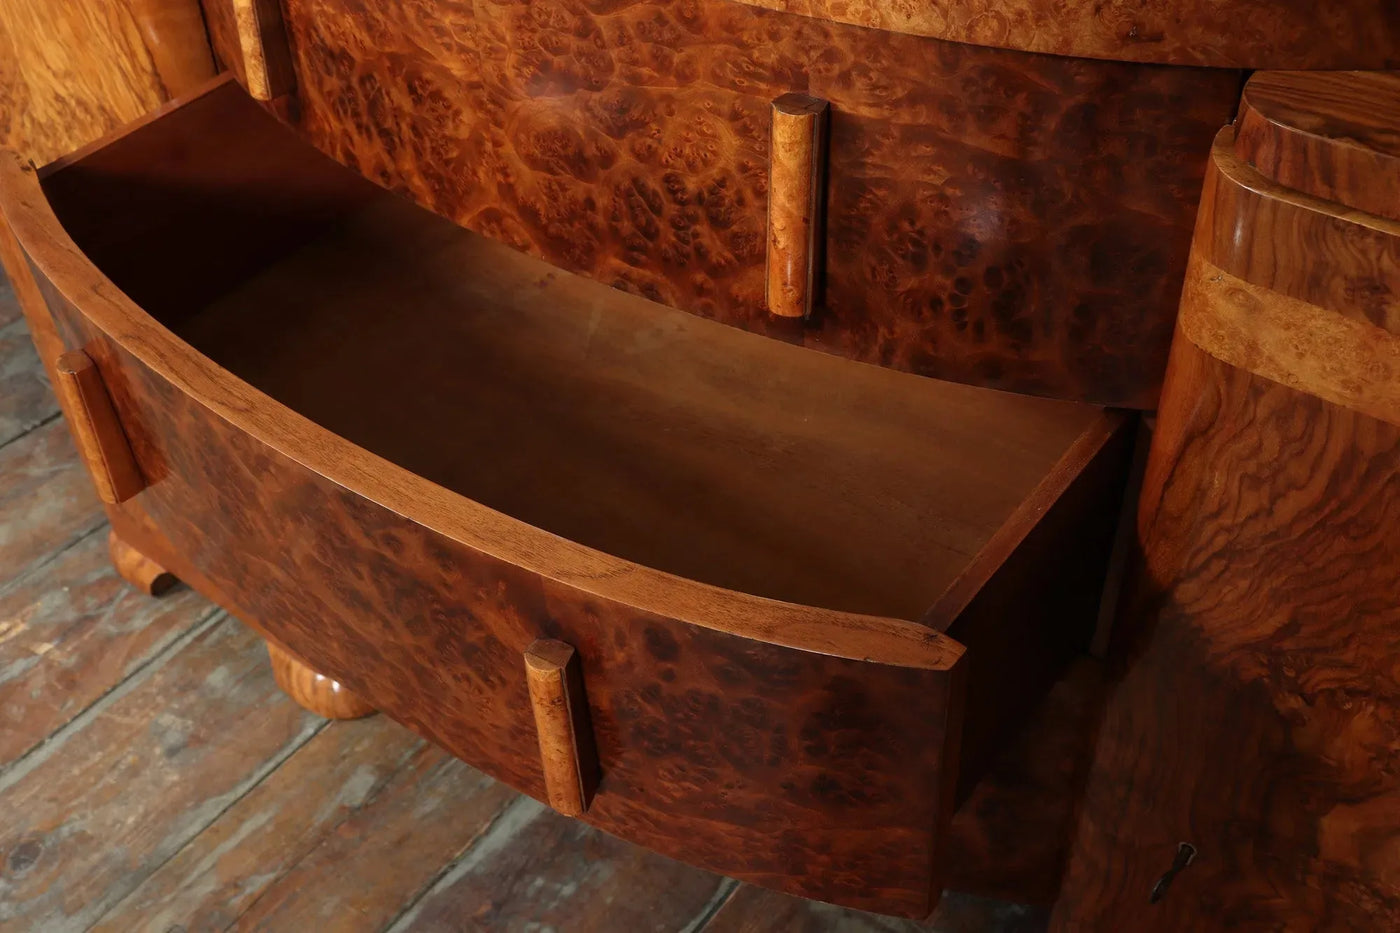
{"x":593,"y":413}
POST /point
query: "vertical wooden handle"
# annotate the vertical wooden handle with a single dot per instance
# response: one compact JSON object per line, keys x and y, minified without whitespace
{"x":796,"y":173}
{"x":567,"y":751}
{"x":99,"y":435}
{"x":262,"y":39}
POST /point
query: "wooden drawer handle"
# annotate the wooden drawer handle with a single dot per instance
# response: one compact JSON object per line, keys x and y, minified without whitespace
{"x":567,"y":752}
{"x":796,"y":178}
{"x":101,"y":441}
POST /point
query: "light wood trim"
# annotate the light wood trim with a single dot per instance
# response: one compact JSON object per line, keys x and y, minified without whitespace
{"x":262,"y":38}
{"x":315,"y":692}
{"x":1340,"y":359}
{"x":567,"y":751}
{"x":137,"y":569}
{"x":99,"y":435}
{"x":795,"y":176}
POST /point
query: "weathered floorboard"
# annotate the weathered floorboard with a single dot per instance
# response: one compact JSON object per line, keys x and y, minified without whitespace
{"x":755,"y":910}
{"x":47,"y":500}
{"x":70,"y":634}
{"x":26,"y":400}
{"x":536,"y":870}
{"x":91,"y":814}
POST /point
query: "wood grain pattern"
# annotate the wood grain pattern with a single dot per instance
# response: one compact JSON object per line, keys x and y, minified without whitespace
{"x":1219,"y":33}
{"x":1254,"y":714}
{"x":836,"y":734}
{"x":796,"y":185}
{"x":996,"y":218}
{"x":47,"y":500}
{"x":96,"y":428}
{"x":1341,"y":259}
{"x":70,"y":634}
{"x":262,"y":41}
{"x":26,"y":398}
{"x":1348,"y":362}
{"x":318,"y":693}
{"x":754,"y":910}
{"x":194,"y":755}
{"x":536,"y":870}
{"x":138,"y":569}
{"x":1332,"y":135}
{"x":568,"y":755}
{"x":71,"y":72}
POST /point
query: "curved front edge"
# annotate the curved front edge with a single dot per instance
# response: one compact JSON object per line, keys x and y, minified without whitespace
{"x":805,"y":750}
{"x":1255,"y":719}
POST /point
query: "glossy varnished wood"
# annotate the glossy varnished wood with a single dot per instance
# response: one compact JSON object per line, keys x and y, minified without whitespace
{"x":138,"y":569}
{"x":796,"y":187}
{"x":835,"y":733}
{"x":318,"y":693}
{"x":568,"y":755}
{"x":1335,"y":135}
{"x":993,"y":217}
{"x":1254,"y":712}
{"x":96,"y":428}
{"x":266,"y":67}
{"x":71,"y":72}
{"x":1219,"y":33}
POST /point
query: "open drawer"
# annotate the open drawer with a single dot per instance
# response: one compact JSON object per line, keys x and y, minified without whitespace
{"x":808,"y":597}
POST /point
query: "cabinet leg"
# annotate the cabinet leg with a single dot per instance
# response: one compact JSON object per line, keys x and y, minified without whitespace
{"x":138,"y":569}
{"x":316,"y":692}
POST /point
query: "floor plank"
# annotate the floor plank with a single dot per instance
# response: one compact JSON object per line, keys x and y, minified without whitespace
{"x":26,"y":400}
{"x":71,"y":634}
{"x":306,"y":842}
{"x":387,"y":854}
{"x":47,"y":500}
{"x":755,"y":910}
{"x":536,"y":870}
{"x":9,"y":303}
{"x":91,"y":814}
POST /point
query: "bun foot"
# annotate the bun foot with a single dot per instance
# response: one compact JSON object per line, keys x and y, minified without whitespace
{"x":138,"y":569}
{"x":313,"y":691}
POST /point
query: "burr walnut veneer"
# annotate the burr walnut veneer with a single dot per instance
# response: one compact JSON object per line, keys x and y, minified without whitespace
{"x":781,"y":609}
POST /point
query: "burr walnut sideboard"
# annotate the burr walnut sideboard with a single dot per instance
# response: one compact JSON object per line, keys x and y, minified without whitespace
{"x":707,"y":417}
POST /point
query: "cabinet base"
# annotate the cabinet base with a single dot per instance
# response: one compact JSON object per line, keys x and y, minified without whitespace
{"x":316,"y":692}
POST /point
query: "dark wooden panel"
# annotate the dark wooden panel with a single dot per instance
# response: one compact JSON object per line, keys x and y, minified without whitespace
{"x":1221,"y":33}
{"x":1333,"y":135}
{"x":999,"y":218}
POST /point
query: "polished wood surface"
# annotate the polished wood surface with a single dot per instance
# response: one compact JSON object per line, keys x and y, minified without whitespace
{"x":993,"y":217}
{"x":796,"y":187}
{"x":837,"y":733}
{"x":1218,"y":33}
{"x":266,"y":68}
{"x":318,"y":693}
{"x":138,"y":569}
{"x":96,"y":428}
{"x":1333,"y":135}
{"x":73,"y":71}
{"x":1253,"y":713}
{"x":567,"y":751}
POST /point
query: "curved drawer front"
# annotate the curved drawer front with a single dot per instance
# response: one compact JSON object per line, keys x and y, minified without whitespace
{"x":821,"y":775}
{"x":993,"y":217}
{"x":818,"y":775}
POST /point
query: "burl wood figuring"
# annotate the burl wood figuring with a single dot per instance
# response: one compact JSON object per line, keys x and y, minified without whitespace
{"x":567,"y":752}
{"x":1255,"y":717}
{"x":809,"y":599}
{"x":796,"y":181}
{"x":994,"y":217}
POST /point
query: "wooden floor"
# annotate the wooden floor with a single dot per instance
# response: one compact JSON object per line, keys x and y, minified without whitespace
{"x":152,"y":777}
